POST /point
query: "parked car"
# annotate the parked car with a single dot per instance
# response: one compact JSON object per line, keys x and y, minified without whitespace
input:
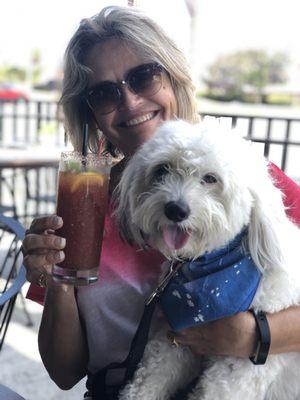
{"x":50,"y":85}
{"x":9,"y":92}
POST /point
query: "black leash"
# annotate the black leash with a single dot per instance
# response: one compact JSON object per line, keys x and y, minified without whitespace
{"x":96,"y":383}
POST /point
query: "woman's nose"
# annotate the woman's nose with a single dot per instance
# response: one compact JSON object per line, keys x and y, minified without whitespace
{"x":129,"y":99}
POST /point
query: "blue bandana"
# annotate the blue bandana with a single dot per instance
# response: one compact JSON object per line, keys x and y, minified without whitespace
{"x":216,"y":285}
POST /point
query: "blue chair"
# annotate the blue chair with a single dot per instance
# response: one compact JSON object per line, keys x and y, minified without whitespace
{"x":7,"y":184}
{"x":8,"y":394}
{"x":12,"y":271}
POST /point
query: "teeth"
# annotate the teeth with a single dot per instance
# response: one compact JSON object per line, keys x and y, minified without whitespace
{"x":139,"y":120}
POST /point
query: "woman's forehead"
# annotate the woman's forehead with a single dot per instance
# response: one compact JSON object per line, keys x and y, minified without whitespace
{"x":112,"y":59}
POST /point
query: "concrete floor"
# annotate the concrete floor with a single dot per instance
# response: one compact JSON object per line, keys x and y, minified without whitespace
{"x":21,"y":367}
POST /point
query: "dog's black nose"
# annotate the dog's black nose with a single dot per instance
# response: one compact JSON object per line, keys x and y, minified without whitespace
{"x":177,"y":211}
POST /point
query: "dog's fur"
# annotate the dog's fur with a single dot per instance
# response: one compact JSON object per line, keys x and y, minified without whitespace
{"x":226,"y":185}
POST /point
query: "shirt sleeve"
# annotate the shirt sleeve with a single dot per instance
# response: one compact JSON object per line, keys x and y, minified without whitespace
{"x":291,"y":192}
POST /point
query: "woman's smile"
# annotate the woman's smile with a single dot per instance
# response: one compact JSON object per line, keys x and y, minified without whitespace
{"x":137,"y":117}
{"x":138,"y":120}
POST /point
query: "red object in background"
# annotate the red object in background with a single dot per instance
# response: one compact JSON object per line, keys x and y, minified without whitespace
{"x":10,"y":93}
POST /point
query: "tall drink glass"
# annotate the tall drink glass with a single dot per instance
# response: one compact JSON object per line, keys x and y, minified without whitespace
{"x":81,"y":202}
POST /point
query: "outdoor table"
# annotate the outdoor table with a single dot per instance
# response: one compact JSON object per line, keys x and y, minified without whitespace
{"x":33,"y":165}
{"x":35,"y":157}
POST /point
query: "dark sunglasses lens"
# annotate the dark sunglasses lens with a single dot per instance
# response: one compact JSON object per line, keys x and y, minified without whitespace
{"x":104,"y":98}
{"x":146,"y":80}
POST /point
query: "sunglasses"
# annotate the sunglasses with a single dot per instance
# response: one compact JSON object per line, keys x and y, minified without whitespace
{"x":144,"y":80}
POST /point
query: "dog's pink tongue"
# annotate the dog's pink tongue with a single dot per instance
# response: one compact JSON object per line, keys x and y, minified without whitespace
{"x":174,"y":237}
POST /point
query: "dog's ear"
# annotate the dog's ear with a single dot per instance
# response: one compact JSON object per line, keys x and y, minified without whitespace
{"x":124,"y":227}
{"x":267,"y":223}
{"x":122,"y":198}
{"x":129,"y":232}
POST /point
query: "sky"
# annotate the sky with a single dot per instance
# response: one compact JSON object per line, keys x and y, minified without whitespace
{"x":223,"y":26}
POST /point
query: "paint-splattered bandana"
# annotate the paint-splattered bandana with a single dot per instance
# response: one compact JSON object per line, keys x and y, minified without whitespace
{"x":216,"y":285}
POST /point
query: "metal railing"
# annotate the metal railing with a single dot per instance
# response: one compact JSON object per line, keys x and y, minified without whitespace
{"x":31,"y":122}
{"x":26,"y":193}
{"x":280,"y":136}
{"x":40,"y":122}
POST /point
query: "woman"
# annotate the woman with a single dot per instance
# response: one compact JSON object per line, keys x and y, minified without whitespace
{"x":132,"y":78}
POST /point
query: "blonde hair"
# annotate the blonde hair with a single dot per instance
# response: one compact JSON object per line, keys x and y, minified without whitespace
{"x":147,"y":39}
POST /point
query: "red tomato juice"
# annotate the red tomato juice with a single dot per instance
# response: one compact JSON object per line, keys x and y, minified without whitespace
{"x":81,"y":202}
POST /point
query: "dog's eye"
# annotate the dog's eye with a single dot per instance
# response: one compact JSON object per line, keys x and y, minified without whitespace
{"x":208,"y":178}
{"x":160,"y":171}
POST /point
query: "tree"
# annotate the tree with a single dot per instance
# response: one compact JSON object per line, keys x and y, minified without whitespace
{"x":12,"y":73}
{"x":234,"y":76}
{"x":35,"y":65}
{"x":16,"y":73}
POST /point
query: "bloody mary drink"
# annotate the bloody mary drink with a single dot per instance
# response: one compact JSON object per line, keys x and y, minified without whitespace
{"x":81,"y":202}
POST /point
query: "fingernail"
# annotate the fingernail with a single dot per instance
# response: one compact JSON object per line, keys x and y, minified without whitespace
{"x":57,"y":220}
{"x":60,"y":242}
{"x":59,"y":256}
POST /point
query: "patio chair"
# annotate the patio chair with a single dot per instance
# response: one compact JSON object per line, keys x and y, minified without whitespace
{"x":40,"y":185}
{"x":12,"y":271}
{"x":7,"y":184}
{"x":8,"y":394}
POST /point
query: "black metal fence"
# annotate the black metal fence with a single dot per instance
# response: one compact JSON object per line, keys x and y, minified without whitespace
{"x":40,"y":122}
{"x":31,"y":122}
{"x":28,"y":191}
{"x":279,"y":135}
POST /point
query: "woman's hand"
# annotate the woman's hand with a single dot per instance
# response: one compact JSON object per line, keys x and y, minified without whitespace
{"x":231,"y":336}
{"x":237,"y":336}
{"x":42,"y":248}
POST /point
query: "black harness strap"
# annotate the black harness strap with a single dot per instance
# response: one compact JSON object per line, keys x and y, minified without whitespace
{"x":96,"y":384}
{"x":140,"y":340}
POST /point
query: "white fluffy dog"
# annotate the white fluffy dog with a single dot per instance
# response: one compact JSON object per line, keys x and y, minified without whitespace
{"x":216,"y":185}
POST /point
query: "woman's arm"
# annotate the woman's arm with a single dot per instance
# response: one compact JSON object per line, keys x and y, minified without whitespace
{"x":62,"y":340}
{"x":237,"y":336}
{"x":231,"y":336}
{"x":285,"y":330}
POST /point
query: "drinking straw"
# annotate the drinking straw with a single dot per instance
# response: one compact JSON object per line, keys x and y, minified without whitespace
{"x":85,"y":133}
{"x":100,"y":146}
